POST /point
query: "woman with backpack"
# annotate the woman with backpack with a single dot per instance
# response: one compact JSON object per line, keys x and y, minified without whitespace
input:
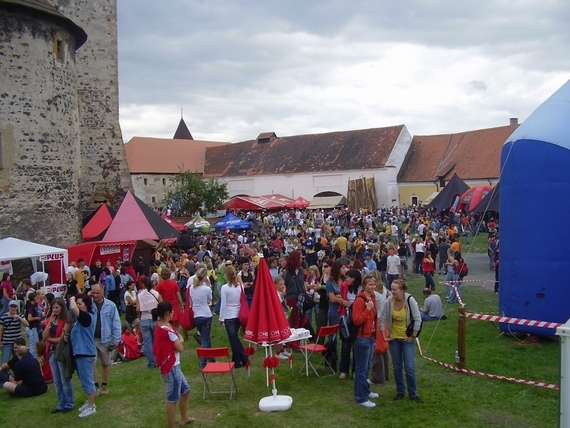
{"x":459,"y":265}
{"x":401,"y":317}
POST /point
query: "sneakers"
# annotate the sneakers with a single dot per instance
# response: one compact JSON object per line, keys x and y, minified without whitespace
{"x":282,"y":356}
{"x":369,"y":381}
{"x":416,"y":399}
{"x":85,"y":405}
{"x":88,"y":411}
{"x":398,"y":397}
{"x":369,"y":404}
{"x":343,"y":376}
{"x":373,"y":395}
{"x":104,"y":390}
{"x":287,"y":354}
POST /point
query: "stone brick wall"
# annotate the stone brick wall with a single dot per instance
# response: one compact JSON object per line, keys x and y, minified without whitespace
{"x":39,"y":130}
{"x":149,"y":186}
{"x":104,"y":171}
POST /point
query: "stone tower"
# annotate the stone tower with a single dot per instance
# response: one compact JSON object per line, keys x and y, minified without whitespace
{"x":104,"y":173}
{"x":39,"y":123}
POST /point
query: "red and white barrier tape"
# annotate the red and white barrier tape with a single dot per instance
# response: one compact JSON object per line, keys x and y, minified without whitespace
{"x":457,"y":295}
{"x":488,"y":375}
{"x":509,"y":320}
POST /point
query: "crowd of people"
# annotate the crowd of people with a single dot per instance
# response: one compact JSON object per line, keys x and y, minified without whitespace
{"x":338,"y":260}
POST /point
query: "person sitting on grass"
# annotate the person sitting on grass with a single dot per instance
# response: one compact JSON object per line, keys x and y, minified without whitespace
{"x":28,"y":380}
{"x":129,"y":349}
{"x":433,"y":308}
{"x":168,"y":345}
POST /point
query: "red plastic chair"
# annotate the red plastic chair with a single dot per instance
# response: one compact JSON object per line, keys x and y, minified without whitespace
{"x":311,"y":348}
{"x":218,"y":367}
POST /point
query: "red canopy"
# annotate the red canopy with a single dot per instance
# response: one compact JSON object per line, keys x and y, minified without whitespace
{"x":252,"y":203}
{"x":278,"y":199}
{"x":181,"y":227}
{"x":267,"y":322}
{"x":97,"y":222}
{"x":299,"y":203}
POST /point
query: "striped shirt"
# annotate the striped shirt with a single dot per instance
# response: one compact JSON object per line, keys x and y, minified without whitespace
{"x":12,"y":329}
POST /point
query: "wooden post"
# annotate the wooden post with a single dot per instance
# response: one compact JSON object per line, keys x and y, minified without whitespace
{"x":461,"y":338}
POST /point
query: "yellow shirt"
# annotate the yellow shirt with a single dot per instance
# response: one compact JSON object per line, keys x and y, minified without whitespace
{"x":399,"y":322}
{"x":79,"y":279}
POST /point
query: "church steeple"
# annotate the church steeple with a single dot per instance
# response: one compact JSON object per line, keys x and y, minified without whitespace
{"x":182,"y":132}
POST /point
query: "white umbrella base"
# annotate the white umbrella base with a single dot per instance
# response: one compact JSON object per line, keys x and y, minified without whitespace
{"x":275,"y":403}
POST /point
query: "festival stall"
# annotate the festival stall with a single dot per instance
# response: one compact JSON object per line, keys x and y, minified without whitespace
{"x":56,"y":258}
{"x":473,"y":196}
{"x":198,"y":224}
{"x":449,"y":197}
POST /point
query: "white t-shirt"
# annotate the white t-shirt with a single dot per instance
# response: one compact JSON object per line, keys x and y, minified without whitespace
{"x":230,"y":303}
{"x":393,"y":262}
{"x":201,"y":298}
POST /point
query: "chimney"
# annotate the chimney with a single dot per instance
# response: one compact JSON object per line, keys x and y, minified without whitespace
{"x":514,"y":122}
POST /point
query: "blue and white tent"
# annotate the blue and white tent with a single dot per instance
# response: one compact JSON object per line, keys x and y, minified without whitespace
{"x":535,"y":225}
{"x":231,"y":222}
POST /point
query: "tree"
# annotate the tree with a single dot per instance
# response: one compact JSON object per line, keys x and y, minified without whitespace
{"x":189,"y":193}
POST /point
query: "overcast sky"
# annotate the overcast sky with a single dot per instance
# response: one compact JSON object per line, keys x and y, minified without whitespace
{"x":242,"y":67}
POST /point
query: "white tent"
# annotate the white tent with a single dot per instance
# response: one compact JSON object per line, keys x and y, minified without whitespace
{"x":326,"y":202}
{"x":15,"y":249}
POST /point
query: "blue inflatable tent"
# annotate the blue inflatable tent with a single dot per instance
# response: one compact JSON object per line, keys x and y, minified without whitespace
{"x":535,"y":217}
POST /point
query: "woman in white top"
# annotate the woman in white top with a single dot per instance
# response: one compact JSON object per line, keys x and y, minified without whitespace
{"x":230,"y":297}
{"x":147,"y":300}
{"x":201,"y":298}
{"x":130,"y":302}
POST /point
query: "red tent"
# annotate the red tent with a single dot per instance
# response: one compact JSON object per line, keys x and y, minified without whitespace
{"x":179,"y":226}
{"x":135,"y":220}
{"x":267,"y":322}
{"x":97,"y":222}
{"x":252,"y":203}
{"x":91,"y":251}
{"x":299,"y":203}
{"x":278,"y":199}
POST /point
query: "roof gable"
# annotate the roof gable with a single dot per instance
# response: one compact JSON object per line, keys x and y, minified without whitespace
{"x":472,"y":155}
{"x":334,"y":151}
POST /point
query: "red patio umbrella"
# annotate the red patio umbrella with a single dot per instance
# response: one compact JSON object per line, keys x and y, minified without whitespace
{"x":299,"y":203}
{"x":181,"y":227}
{"x":267,"y":325}
{"x":267,"y":322}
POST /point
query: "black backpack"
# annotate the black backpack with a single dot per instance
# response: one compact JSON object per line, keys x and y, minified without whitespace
{"x":347,"y":329}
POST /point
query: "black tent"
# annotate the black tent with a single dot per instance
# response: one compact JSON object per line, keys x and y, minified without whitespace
{"x":449,"y":196}
{"x":489,"y":203}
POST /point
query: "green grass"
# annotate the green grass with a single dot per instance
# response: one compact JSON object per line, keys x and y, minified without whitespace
{"x":478,"y":243}
{"x":137,"y":395}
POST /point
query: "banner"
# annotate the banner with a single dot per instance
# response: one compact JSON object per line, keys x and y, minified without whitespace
{"x":6,"y":266}
{"x":51,"y":257}
{"x":56,"y":289}
{"x":109,"y":249}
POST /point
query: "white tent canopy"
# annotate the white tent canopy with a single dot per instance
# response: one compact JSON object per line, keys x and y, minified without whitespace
{"x":15,"y":249}
{"x":325,"y":202}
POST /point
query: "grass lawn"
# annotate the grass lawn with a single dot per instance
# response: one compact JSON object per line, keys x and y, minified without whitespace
{"x":137,"y":394}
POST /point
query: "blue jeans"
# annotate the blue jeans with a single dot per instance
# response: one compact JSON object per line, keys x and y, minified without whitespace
{"x":363,"y":350}
{"x":147,"y":328}
{"x":33,"y":338}
{"x":204,"y":326}
{"x":63,"y":388}
{"x":452,"y":294}
{"x":238,"y":354}
{"x":344,"y":366}
{"x":468,"y":236}
{"x":84,"y":366}
{"x":427,"y":318}
{"x":402,"y":353}
{"x":429,"y":280}
{"x":4,"y":305}
{"x":122,"y":299}
{"x":7,"y":352}
{"x":390,"y":279}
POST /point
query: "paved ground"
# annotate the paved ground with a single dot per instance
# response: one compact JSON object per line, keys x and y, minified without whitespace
{"x":478,"y":265}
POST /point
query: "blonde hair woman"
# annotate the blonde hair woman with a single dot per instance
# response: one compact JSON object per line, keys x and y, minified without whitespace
{"x":230,"y":297}
{"x":201,"y":299}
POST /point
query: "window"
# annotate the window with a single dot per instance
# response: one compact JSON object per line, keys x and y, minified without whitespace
{"x":1,"y":160}
{"x":145,"y":181}
{"x":414,"y":200}
{"x":153,"y":199}
{"x":164,"y":181}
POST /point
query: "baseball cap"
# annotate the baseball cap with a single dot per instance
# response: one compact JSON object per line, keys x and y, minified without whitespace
{"x":13,"y":303}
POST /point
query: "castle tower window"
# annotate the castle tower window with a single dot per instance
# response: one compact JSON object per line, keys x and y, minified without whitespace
{"x":145,"y":181}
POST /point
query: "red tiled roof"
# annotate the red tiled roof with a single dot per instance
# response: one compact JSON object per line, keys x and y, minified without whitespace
{"x":472,"y":155}
{"x":166,"y":156}
{"x":334,"y":151}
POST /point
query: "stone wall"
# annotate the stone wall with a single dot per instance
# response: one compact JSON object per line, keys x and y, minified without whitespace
{"x":152,"y":188}
{"x":39,"y":130}
{"x":104,"y":171}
